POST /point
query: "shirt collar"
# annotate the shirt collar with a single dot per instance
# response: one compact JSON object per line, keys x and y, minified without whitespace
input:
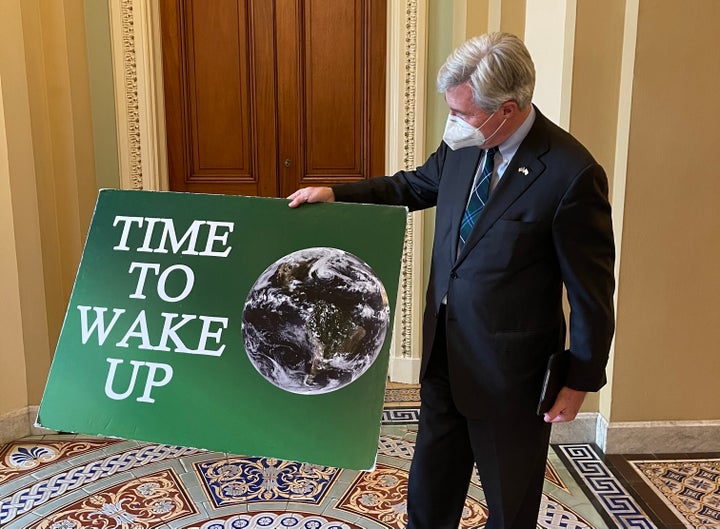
{"x":509,"y":147}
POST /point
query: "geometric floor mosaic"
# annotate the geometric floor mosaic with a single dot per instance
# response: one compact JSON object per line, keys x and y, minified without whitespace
{"x":679,"y":491}
{"x":691,"y":488}
{"x":74,"y":482}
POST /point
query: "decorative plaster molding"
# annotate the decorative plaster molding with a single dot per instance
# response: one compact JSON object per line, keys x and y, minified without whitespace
{"x":127,"y":107}
{"x":407,"y":296}
{"x":139,"y":100}
{"x":405,"y":131}
{"x":410,"y":83}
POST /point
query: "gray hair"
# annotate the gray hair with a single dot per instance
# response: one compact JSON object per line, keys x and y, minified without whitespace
{"x":498,"y":67}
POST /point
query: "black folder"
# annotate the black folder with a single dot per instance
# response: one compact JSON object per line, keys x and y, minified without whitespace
{"x":555,"y":377}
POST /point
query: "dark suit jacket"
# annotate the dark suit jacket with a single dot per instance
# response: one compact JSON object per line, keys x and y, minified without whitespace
{"x":504,"y":313}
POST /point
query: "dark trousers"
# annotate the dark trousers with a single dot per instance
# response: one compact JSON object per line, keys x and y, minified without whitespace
{"x":510,"y":454}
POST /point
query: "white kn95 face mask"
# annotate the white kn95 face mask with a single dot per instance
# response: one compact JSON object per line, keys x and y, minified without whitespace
{"x":459,"y":133}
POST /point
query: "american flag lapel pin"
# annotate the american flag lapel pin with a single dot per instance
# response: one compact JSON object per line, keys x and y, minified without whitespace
{"x":523,"y":170}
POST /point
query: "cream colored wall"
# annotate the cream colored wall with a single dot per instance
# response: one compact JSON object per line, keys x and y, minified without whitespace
{"x":62,"y":139}
{"x":596,"y":78}
{"x":50,"y":181}
{"x":13,"y":385}
{"x":470,"y":17}
{"x":439,"y":46}
{"x":667,"y":348}
{"x":512,"y":18}
{"x":22,"y":323}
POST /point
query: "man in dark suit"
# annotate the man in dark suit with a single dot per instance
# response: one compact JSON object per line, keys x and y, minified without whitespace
{"x":522,"y":209}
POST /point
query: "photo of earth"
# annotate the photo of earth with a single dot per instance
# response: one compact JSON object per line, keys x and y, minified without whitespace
{"x":315,"y":320}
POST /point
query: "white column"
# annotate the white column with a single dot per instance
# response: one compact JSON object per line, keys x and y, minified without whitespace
{"x":550,"y":37}
{"x":622,"y":145}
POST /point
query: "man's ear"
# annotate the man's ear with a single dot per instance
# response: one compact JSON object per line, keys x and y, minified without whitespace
{"x":509,"y":108}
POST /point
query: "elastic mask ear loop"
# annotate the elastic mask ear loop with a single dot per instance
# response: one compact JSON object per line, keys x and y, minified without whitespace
{"x":496,"y":131}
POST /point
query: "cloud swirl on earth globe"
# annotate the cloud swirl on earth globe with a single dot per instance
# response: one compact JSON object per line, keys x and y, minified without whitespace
{"x":315,"y":320}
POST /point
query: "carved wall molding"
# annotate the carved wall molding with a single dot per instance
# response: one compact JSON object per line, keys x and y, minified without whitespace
{"x":127,"y":110}
{"x":139,"y":100}
{"x":406,"y":129}
{"x":408,"y":272}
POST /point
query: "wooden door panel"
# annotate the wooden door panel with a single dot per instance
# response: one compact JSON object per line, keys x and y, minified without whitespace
{"x":333,"y":88}
{"x":331,"y":98}
{"x":219,"y":86}
{"x":265,"y":96}
{"x":218,"y":109}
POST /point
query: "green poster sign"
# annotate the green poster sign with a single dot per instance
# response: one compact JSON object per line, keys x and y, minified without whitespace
{"x":233,"y":324}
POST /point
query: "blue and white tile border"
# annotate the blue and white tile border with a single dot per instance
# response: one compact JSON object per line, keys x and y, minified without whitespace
{"x":400,"y":415}
{"x":620,"y":506}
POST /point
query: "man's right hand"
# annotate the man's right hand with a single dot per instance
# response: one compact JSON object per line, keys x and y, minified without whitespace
{"x":311,"y":194}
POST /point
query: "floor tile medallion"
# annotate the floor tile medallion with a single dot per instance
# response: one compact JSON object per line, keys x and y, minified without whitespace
{"x":141,"y":503}
{"x":236,"y":480}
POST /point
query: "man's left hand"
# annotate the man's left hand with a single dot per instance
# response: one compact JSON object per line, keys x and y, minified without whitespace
{"x":566,"y":407}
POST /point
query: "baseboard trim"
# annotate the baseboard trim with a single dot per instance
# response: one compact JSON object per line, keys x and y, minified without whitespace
{"x":21,"y":423}
{"x":404,"y":370}
{"x":14,"y":425}
{"x":660,"y":437}
{"x":652,"y":437}
{"x":35,"y":428}
{"x":581,"y":430}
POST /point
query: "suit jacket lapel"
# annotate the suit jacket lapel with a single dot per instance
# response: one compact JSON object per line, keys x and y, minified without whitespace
{"x":522,"y":171}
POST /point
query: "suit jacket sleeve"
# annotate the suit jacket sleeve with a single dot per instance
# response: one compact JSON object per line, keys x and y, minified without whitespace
{"x":415,"y":189}
{"x":583,"y":238}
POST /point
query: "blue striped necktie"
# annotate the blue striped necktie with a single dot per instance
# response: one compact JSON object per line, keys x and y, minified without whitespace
{"x":478,"y":196}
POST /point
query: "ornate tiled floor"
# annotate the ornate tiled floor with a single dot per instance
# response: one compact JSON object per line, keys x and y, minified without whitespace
{"x":678,"y":490}
{"x":72,"y":482}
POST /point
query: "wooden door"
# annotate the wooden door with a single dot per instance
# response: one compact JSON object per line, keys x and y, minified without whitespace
{"x":265,"y":96}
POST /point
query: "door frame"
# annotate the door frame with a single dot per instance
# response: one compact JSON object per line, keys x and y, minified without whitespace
{"x":142,"y":150}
